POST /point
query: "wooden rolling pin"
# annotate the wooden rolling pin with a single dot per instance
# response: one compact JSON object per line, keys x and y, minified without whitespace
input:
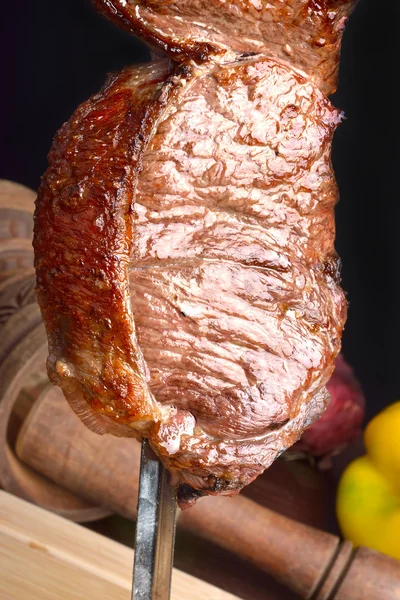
{"x":312,"y":563}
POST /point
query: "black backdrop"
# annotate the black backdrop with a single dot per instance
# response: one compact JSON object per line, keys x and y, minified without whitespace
{"x":54,"y":54}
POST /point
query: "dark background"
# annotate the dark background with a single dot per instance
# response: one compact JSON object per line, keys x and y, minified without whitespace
{"x":56,"y":53}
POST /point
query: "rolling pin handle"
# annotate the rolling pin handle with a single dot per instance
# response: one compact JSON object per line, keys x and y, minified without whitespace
{"x":360,"y":574}
{"x":335,"y":573}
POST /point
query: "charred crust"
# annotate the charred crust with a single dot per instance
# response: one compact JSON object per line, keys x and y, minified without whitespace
{"x":218,"y":485}
{"x":273,"y":266}
{"x":247,"y":54}
{"x":278,"y":425}
{"x":187,"y":495}
{"x":332,"y":267}
{"x":183,"y":70}
{"x":176,"y":79}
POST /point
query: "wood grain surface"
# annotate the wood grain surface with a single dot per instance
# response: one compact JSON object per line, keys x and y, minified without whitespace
{"x":44,"y":556}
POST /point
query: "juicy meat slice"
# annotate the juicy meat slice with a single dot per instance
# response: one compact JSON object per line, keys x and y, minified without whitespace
{"x":304,"y":33}
{"x":186,"y":268}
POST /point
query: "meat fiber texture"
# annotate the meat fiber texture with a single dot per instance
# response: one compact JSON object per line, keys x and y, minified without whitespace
{"x":184,"y":244}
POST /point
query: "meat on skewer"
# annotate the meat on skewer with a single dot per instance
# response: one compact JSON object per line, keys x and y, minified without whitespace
{"x":184,"y":244}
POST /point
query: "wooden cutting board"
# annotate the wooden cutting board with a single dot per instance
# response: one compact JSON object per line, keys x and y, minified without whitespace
{"x":46,"y":557}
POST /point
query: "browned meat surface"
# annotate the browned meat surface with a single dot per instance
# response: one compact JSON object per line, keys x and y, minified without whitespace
{"x":304,"y":33}
{"x":184,"y":248}
{"x":219,"y":346}
{"x":83,"y":243}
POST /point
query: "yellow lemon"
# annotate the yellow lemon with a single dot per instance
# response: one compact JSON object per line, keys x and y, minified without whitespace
{"x":382,"y":442}
{"x":368,"y":508}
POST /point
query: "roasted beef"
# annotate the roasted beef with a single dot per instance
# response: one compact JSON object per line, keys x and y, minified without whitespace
{"x":303,"y":33}
{"x":184,"y":244}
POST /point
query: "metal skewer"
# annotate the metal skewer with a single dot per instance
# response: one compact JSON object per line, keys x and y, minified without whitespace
{"x":155,"y":530}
